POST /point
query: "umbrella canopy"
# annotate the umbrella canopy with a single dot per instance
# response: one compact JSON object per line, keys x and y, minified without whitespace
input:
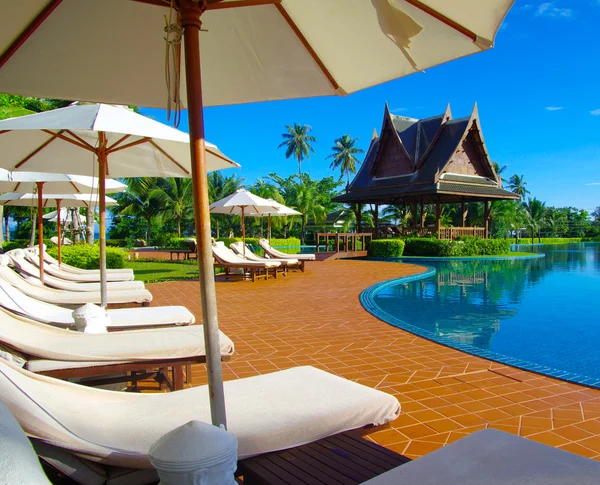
{"x":50,"y":200}
{"x":64,"y":215}
{"x":282,"y":210}
{"x":98,"y":139}
{"x":55,"y":183}
{"x":242,"y":203}
{"x":253,"y":50}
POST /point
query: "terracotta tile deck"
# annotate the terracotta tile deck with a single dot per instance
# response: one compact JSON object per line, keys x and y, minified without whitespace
{"x":316,"y":319}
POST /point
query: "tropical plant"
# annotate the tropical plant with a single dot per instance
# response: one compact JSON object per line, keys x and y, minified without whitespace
{"x":176,"y":197}
{"x":297,"y":143}
{"x":220,"y":187}
{"x":518,"y":185}
{"x":309,"y":203}
{"x":535,"y":210}
{"x":499,"y":171}
{"x":137,"y":201}
{"x":344,"y":156}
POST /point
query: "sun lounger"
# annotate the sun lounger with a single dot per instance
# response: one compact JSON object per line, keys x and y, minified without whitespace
{"x":226,"y":258}
{"x":65,"y":354}
{"x":122,"y":274}
{"x":23,"y":266}
{"x":16,"y":301}
{"x":31,"y":255}
{"x":266,"y":413}
{"x":68,"y":298}
{"x":272,"y":252}
{"x":286,"y":263}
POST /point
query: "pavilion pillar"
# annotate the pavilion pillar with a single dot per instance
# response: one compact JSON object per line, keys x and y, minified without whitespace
{"x":413,"y":213}
{"x":438,"y":218}
{"x":486,"y":216}
{"x":422,"y":213}
{"x":358,"y":216}
{"x":376,"y":222}
{"x":464,"y":212}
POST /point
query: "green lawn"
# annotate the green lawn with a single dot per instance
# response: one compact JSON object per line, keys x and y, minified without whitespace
{"x":157,"y":271}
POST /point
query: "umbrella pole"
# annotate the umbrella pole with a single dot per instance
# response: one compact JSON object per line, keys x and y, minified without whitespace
{"x":190,"y":12}
{"x":58,"y":230}
{"x":101,"y":153}
{"x":269,"y":229}
{"x":243,"y":234}
{"x":40,"y":223}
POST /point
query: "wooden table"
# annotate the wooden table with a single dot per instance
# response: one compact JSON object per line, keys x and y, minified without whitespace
{"x":186,"y":253}
{"x":342,"y":459}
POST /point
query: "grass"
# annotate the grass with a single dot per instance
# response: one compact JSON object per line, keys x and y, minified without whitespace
{"x":156,"y":271}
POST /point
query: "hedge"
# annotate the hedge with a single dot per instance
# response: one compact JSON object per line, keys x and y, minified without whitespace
{"x":386,"y":248}
{"x":118,"y":243}
{"x":86,"y":256}
{"x":23,"y":243}
{"x":292,"y":242}
{"x":468,"y":246}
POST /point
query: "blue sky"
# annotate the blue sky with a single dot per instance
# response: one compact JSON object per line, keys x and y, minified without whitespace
{"x":537,"y":93}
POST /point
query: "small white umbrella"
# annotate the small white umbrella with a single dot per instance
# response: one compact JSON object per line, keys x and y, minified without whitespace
{"x":242,"y":203}
{"x":65,"y":216}
{"x":103,"y":140}
{"x":52,"y":200}
{"x":55,"y":183}
{"x":282,"y":210}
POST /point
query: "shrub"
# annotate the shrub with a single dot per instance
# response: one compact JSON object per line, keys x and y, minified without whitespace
{"x":466,"y":246}
{"x":117,"y":243}
{"x":426,"y":246}
{"x":86,"y":256}
{"x":386,"y":248}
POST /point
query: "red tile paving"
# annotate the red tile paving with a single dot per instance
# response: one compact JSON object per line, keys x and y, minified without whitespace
{"x":316,"y":319}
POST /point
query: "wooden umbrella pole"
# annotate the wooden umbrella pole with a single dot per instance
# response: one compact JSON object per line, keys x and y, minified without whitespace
{"x":189,"y":14}
{"x":40,"y":223}
{"x":101,"y":154}
{"x":58,"y":230}
{"x":243,"y":234}
{"x":269,"y":228}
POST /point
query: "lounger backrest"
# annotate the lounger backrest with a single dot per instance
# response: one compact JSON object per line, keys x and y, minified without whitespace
{"x":267,"y":247}
{"x":226,"y":255}
{"x":16,"y":301}
{"x":238,"y":247}
{"x":16,"y":280}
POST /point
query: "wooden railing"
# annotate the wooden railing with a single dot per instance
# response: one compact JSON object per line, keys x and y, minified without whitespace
{"x":452,"y":232}
{"x":343,"y":242}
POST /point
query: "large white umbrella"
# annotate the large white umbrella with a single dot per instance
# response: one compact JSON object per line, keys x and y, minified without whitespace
{"x":280,"y":211}
{"x":242,"y":203}
{"x":52,"y":200}
{"x":101,"y":140}
{"x":54,"y":183}
{"x":253,"y":50}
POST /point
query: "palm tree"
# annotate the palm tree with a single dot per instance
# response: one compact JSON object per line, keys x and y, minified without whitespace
{"x":400,"y":214}
{"x":518,"y":185}
{"x":297,"y":143}
{"x":499,"y":171}
{"x":535,"y":210}
{"x":175,"y":196}
{"x":308,"y":201}
{"x":344,"y":156}
{"x":137,"y":202}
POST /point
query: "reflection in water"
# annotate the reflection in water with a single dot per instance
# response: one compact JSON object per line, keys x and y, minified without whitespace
{"x":541,"y":310}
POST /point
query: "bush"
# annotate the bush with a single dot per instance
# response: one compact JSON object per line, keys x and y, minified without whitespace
{"x":466,"y":246}
{"x":117,"y":243}
{"x":86,"y":256}
{"x":426,"y":246}
{"x":386,"y":248}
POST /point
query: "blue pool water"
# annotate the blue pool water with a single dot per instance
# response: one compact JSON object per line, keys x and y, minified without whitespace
{"x":539,"y":314}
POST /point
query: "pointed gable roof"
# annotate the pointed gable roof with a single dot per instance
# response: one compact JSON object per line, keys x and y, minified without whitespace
{"x":448,"y":156}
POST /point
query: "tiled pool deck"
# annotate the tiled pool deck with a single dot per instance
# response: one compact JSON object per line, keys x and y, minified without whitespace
{"x":316,"y":319}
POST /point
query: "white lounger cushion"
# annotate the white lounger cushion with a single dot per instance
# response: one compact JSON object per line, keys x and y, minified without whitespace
{"x":20,"y":261}
{"x":63,"y":297}
{"x":238,"y":248}
{"x":19,"y":465}
{"x":226,"y":255}
{"x":125,"y":274}
{"x":266,"y":413}
{"x":52,"y":343}
{"x":278,"y":254}
{"x":94,"y":277}
{"x":15,"y":300}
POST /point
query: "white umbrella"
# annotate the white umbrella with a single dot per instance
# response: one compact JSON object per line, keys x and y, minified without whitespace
{"x":99,"y":139}
{"x":281,"y":210}
{"x":64,"y":215}
{"x":253,"y":50}
{"x":54,"y":183}
{"x":242,"y":203}
{"x":52,"y":200}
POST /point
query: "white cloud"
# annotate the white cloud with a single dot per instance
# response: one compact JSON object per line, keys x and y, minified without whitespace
{"x":595,"y":112}
{"x":553,"y":108}
{"x":547,"y":9}
{"x":593,"y":183}
{"x":503,"y":26}
{"x":398,"y":110}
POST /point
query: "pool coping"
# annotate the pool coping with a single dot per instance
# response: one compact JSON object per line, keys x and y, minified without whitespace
{"x":437,"y":259}
{"x":367,"y":296}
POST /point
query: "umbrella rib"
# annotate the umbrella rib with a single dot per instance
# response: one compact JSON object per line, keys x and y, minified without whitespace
{"x":445,"y":20}
{"x":81,"y":140}
{"x":29,"y":30}
{"x":183,"y":169}
{"x":307,"y":46}
{"x":240,"y":3}
{"x":118,"y":142}
{"x":218,"y":155}
{"x":129,"y":145}
{"x":77,"y":191}
{"x":65,"y":138}
{"x":39,"y":149}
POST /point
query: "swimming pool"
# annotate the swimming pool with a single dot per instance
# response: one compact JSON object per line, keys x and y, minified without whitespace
{"x":539,"y":314}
